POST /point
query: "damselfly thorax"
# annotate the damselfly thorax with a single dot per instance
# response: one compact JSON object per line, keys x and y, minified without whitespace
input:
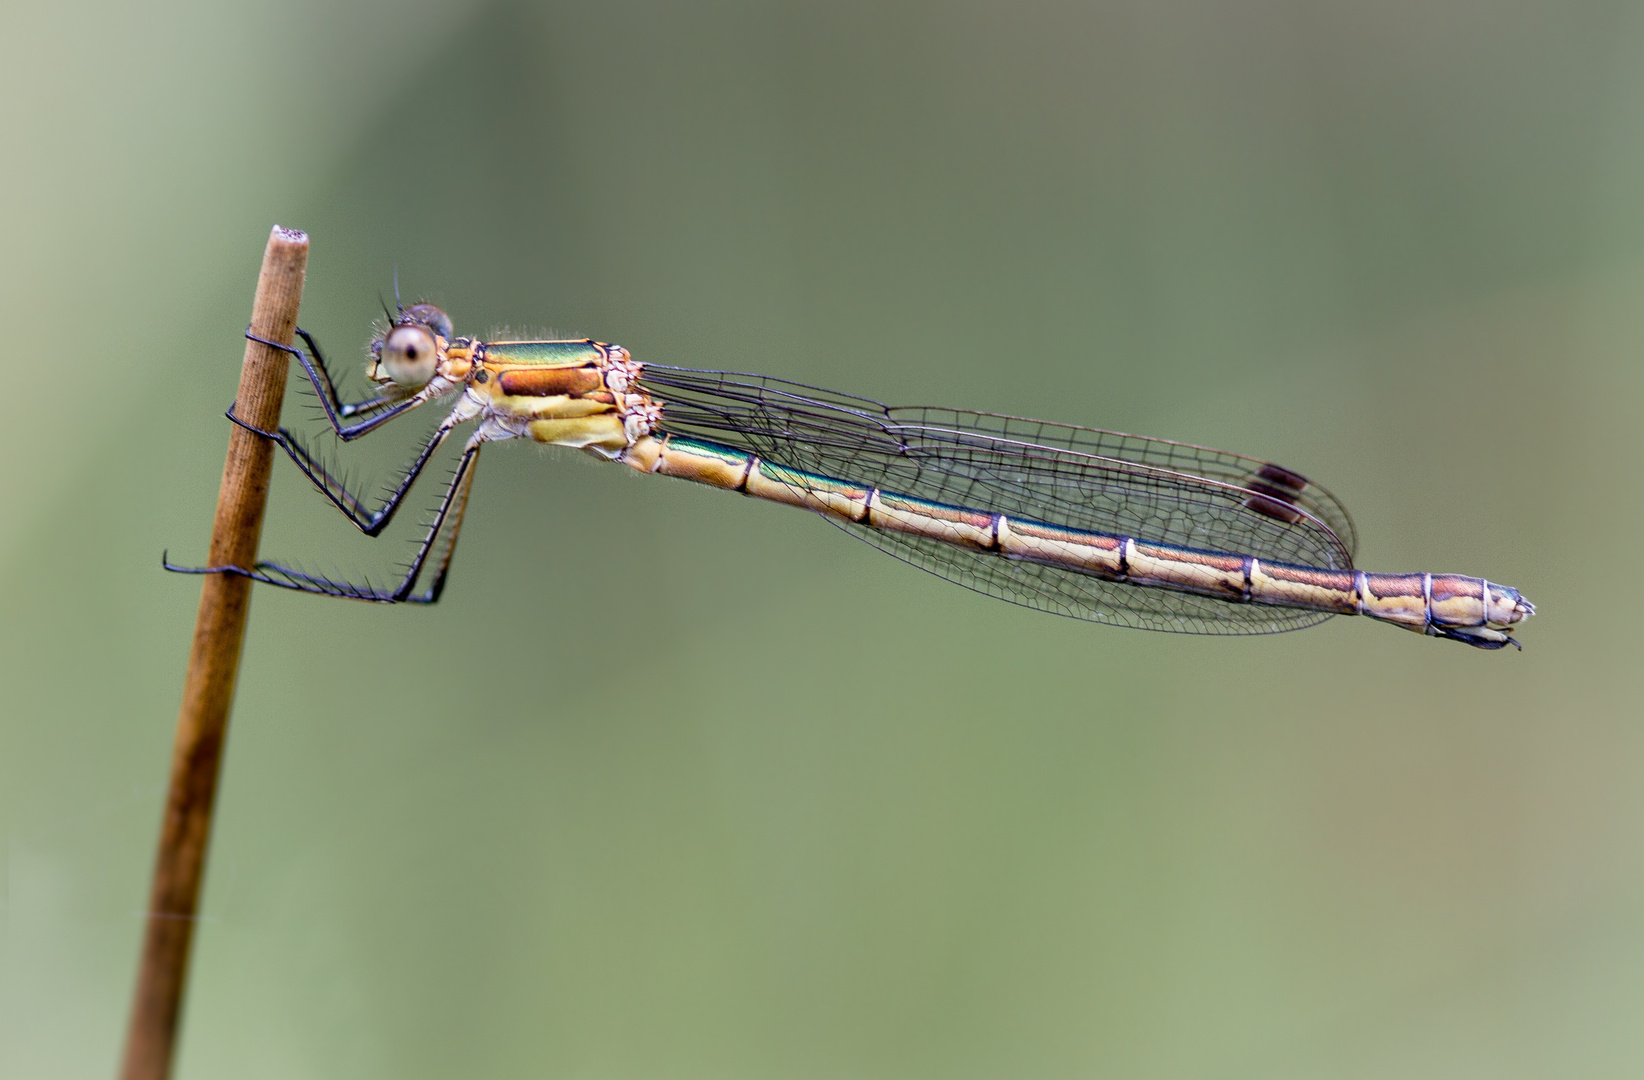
{"x":1091,"y":524}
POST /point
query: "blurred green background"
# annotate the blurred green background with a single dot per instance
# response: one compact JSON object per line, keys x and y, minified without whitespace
{"x":674,"y":784}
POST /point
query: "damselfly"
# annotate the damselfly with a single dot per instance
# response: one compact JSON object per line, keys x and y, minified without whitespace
{"x":1090,"y":524}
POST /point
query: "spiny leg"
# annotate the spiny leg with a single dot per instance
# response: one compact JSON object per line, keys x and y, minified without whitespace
{"x":451,"y":508}
{"x":385,"y":408}
{"x":370,"y":522}
{"x":456,"y":513}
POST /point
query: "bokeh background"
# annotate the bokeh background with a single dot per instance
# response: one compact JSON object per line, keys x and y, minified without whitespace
{"x":674,"y":784}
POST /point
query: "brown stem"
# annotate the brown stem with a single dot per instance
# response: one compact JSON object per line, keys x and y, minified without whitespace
{"x":214,"y":661}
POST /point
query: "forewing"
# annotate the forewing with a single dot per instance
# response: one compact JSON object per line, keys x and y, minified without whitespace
{"x":1082,"y":478}
{"x":1149,"y":462}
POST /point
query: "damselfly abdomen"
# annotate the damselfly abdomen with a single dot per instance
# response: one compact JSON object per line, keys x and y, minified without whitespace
{"x":1091,"y":524}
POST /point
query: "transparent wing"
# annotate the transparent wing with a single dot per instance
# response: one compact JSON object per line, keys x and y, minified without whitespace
{"x":1133,"y":462}
{"x":1082,"y":478}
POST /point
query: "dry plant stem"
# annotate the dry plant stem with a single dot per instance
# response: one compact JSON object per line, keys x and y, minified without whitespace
{"x":212,"y":666}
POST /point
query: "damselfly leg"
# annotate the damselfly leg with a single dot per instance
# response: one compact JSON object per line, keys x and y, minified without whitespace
{"x":385,"y":406}
{"x":377,"y":410}
{"x":441,"y":536}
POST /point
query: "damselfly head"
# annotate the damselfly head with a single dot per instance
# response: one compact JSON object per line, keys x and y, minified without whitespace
{"x":408,"y":355}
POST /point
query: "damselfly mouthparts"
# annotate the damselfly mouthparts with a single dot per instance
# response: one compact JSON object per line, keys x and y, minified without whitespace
{"x":1090,"y":524}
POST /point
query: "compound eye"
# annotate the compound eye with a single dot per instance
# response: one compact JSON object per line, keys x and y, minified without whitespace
{"x":409,"y":355}
{"x":431,"y":317}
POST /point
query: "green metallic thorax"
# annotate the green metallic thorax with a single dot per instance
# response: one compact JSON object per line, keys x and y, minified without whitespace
{"x":555,"y":353}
